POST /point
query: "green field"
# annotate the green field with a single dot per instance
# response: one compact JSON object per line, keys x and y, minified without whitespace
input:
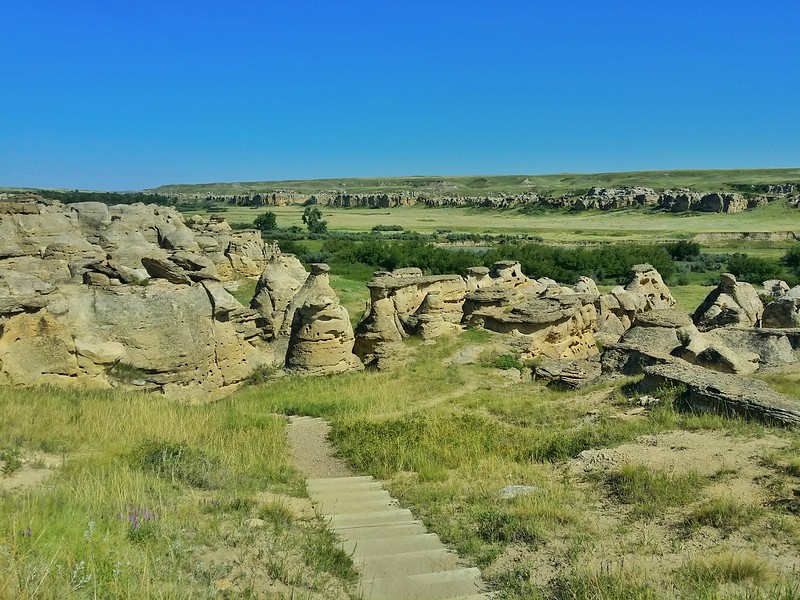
{"x":555,"y":226}
{"x":477,"y":185}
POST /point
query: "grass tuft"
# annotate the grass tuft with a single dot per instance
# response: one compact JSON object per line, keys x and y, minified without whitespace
{"x":723,"y":513}
{"x":650,"y":491}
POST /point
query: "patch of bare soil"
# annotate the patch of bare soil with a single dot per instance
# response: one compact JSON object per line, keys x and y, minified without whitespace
{"x":33,"y":469}
{"x":657,"y":548}
{"x":706,"y":453}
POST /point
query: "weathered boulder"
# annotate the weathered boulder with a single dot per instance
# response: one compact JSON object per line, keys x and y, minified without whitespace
{"x":783,"y":312}
{"x":394,"y":310}
{"x":321,"y":338}
{"x":567,"y":374}
{"x":159,"y":268}
{"x":657,"y":330}
{"x":707,"y":351}
{"x":774,"y":289}
{"x":478,"y":278}
{"x":508,"y":273}
{"x":175,"y":339}
{"x":488,"y":297}
{"x":430,"y":319}
{"x":730,"y":304}
{"x":617,"y":310}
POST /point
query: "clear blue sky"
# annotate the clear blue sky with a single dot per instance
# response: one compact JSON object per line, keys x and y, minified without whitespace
{"x":120,"y":95}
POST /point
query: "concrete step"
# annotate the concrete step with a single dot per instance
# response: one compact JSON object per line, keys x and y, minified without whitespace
{"x":338,"y":507}
{"x":429,"y":586}
{"x":354,"y":496}
{"x":408,"y":563}
{"x":392,"y":546}
{"x":385,"y":532}
{"x":338,"y":482}
{"x":359,"y":487}
{"x":393,"y":516}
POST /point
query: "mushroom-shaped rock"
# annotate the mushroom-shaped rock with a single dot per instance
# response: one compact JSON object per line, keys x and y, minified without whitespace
{"x":321,"y":338}
{"x":281,"y":279}
{"x":478,"y":278}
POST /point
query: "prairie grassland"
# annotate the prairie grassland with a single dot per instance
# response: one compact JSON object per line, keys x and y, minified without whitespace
{"x":552,"y":226}
{"x":610,"y":510}
{"x":153,"y":499}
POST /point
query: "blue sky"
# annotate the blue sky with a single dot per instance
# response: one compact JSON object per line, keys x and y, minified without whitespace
{"x":122,"y":95}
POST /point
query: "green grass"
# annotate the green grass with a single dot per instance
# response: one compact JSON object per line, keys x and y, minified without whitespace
{"x":649,"y":491}
{"x":724,"y":513}
{"x":147,"y":490}
{"x":724,"y":568}
{"x":555,"y":227}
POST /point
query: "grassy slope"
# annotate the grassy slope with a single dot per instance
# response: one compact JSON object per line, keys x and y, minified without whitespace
{"x":716,"y":179}
{"x":202,"y":471}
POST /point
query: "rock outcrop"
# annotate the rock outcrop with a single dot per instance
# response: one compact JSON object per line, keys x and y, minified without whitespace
{"x":782,"y":313}
{"x":731,"y":304}
{"x":617,"y":310}
{"x":441,"y":194}
{"x":400,"y":304}
{"x":130,"y":296}
{"x":555,"y":327}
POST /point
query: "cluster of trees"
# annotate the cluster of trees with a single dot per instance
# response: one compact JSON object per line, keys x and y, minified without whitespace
{"x":605,"y":263}
{"x":266,"y":222}
{"x":757,"y":270}
{"x":609,"y":263}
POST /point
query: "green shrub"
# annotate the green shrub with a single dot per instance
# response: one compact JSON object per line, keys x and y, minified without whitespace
{"x":501,"y":526}
{"x":12,"y":460}
{"x":505,"y":362}
{"x":266,"y":221}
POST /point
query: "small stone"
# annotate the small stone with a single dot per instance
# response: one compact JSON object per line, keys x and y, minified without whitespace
{"x":255,"y":523}
{"x":512,"y":491}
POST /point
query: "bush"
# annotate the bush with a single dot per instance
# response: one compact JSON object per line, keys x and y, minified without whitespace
{"x":266,"y":221}
{"x":312,"y":217}
{"x":683,"y":250}
{"x":753,"y":269}
{"x":387,"y":228}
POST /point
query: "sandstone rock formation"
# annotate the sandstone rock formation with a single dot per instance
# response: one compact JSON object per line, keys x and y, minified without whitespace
{"x":396,"y":311}
{"x":321,"y":337}
{"x":131,"y":296}
{"x":731,"y":303}
{"x":556,"y":327}
{"x":617,"y":310}
{"x":781,"y":313}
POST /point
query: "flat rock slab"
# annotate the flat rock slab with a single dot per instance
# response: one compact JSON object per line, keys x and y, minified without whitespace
{"x":724,"y":393}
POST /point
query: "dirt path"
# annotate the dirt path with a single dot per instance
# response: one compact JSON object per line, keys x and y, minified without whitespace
{"x":311,"y":451}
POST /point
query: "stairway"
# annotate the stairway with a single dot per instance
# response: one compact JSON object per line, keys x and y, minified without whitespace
{"x":397,"y":558}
